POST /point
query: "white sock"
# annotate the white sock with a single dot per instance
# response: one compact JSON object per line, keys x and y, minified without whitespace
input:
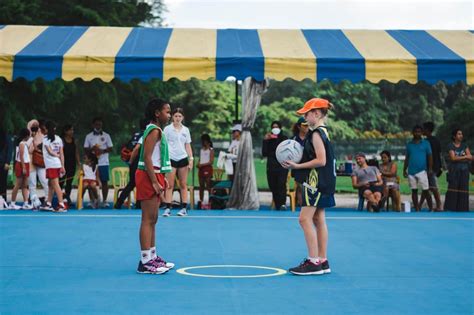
{"x":314,"y":260}
{"x":145,"y":256}
{"x":322,"y":259}
{"x":153,"y":252}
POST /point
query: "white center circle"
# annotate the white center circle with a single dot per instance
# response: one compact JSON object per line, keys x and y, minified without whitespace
{"x":185,"y":271}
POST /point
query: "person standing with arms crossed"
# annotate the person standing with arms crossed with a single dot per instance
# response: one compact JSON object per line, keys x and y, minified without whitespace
{"x":318,"y":190}
{"x":151,"y":184}
{"x":181,"y":155}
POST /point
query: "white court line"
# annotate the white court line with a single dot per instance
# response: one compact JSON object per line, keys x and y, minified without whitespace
{"x":230,"y":217}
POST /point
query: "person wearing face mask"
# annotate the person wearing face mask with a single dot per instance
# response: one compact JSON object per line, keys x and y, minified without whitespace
{"x":100,"y":144}
{"x":276,"y":174}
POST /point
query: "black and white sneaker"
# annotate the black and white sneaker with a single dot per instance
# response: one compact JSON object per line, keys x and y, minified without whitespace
{"x":307,"y":268}
{"x":325,"y":266}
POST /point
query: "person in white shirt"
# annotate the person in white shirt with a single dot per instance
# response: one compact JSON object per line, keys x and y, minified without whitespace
{"x":233,"y":149}
{"x":37,"y":167}
{"x":54,"y":161}
{"x":100,"y":143}
{"x":206,"y":160}
{"x":91,"y":180}
{"x":181,"y":156}
{"x":22,"y":170}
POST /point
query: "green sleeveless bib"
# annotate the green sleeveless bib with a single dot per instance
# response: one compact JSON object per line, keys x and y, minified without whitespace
{"x":165,"y":163}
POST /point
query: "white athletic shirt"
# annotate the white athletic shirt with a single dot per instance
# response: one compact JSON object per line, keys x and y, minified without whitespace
{"x":55,"y":146}
{"x":104,"y":141}
{"x":176,"y":141}
{"x":89,"y":174}
{"x":234,"y":149}
{"x":26,"y":155}
{"x":205,"y":156}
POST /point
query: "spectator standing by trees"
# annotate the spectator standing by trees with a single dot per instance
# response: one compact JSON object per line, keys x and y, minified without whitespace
{"x":100,"y":143}
{"x":418,"y":164}
{"x":206,"y":160}
{"x":37,"y":166}
{"x":181,"y":156}
{"x":6,"y":151}
{"x":22,"y":170}
{"x":428,"y":128}
{"x":54,"y":161}
{"x":457,"y":196}
{"x":276,"y":174}
{"x":300,"y":129}
{"x":134,"y":144}
{"x":71,"y":159}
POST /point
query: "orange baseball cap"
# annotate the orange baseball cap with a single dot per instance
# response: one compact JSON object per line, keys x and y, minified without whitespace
{"x":313,"y":104}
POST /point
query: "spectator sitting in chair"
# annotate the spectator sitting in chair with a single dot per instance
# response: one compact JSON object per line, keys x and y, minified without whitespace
{"x":368,"y":180}
{"x":388,"y":169}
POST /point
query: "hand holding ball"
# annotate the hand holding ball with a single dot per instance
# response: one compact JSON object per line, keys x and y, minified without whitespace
{"x":289,"y":150}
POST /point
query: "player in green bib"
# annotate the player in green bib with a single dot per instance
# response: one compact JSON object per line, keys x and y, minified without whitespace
{"x":151,"y":183}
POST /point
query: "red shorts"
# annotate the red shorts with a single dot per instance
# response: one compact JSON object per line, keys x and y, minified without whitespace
{"x":205,"y":171}
{"x":89,"y":182}
{"x":52,"y":173}
{"x":145,"y":189}
{"x":19,"y":171}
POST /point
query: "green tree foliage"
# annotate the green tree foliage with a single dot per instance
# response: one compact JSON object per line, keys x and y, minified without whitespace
{"x":362,"y":110}
{"x":461,"y":116}
{"x":82,"y":12}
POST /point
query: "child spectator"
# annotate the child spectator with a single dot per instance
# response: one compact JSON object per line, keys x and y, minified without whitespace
{"x":91,"y":180}
{"x":206,"y":159}
{"x":54,"y":162}
{"x":22,"y":170}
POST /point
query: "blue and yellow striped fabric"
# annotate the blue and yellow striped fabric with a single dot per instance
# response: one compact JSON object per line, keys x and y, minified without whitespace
{"x":51,"y":52}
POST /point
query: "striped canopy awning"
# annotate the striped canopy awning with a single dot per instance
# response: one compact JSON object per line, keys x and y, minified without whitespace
{"x":51,"y":52}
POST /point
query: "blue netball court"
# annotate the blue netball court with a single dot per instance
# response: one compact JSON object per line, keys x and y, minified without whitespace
{"x":234,"y":262}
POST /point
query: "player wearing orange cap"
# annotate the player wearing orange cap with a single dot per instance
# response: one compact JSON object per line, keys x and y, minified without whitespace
{"x":318,"y":163}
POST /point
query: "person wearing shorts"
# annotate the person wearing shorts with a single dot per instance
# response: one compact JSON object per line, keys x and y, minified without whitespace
{"x":100,"y":143}
{"x":318,"y":189}
{"x":151,"y":183}
{"x":418,"y":164}
{"x":368,"y":181}
{"x":22,"y":171}
{"x":181,"y":155}
{"x":54,"y":161}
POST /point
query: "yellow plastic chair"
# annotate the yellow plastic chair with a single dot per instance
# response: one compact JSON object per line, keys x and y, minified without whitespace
{"x":80,"y":187}
{"x":217,"y":174}
{"x":120,"y":177}
{"x":190,"y":189}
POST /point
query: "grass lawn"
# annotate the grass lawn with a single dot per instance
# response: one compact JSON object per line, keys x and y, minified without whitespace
{"x":343,"y":183}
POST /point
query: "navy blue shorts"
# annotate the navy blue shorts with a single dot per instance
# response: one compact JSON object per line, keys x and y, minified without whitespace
{"x":104,"y":173}
{"x":311,"y":195}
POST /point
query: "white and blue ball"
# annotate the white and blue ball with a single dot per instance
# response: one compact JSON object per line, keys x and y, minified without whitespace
{"x":289,"y":150}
